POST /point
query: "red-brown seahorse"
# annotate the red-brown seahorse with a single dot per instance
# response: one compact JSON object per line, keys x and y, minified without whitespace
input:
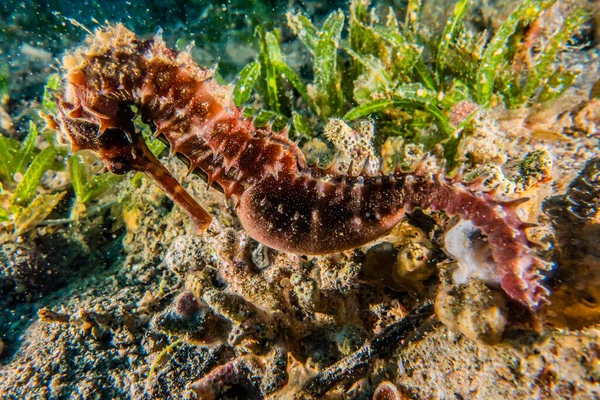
{"x":282,"y":202}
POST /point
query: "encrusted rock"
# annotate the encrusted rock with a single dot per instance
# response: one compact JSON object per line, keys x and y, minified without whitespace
{"x":192,"y":318}
{"x":402,"y":262}
{"x":306,"y":291}
{"x":587,"y":119}
{"x":398,"y":152}
{"x":469,"y":247}
{"x":471,"y":308}
{"x":23,"y":271}
{"x":532,"y":169}
{"x":575,"y":217}
{"x":354,"y":147}
{"x":185,"y":254}
{"x":261,"y":256}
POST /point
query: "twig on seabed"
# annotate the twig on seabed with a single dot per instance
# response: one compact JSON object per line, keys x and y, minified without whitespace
{"x":356,"y":363}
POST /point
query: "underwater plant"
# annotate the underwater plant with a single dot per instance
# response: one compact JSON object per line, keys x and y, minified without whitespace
{"x":21,"y":170}
{"x":424,"y":88}
{"x":86,"y":185}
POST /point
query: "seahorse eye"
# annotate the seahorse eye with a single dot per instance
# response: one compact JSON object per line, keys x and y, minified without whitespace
{"x":118,"y":166}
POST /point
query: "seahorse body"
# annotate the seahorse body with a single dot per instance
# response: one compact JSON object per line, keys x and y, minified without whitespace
{"x":283,"y":203}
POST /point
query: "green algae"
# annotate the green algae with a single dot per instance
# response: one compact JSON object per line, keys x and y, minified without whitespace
{"x":408,"y":76}
{"x":22,"y":204}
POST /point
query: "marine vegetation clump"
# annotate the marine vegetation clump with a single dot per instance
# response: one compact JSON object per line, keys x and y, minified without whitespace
{"x":422,"y":87}
{"x":23,"y":206}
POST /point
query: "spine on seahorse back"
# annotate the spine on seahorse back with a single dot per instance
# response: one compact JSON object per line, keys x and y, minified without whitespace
{"x":282,"y":202}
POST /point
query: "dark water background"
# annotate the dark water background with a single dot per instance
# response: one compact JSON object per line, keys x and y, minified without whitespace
{"x":54,"y":26}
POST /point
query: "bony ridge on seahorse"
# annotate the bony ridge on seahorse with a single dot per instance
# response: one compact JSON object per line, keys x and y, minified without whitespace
{"x":281,"y":201}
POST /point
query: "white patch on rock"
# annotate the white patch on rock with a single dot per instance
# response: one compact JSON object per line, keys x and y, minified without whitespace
{"x":465,"y":243}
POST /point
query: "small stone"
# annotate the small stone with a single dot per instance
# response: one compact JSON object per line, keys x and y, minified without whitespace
{"x":23,"y":271}
{"x":185,"y":254}
{"x":473,"y":309}
{"x":306,"y":291}
{"x":403,"y":262}
{"x":261,"y":256}
{"x":186,"y":304}
{"x":387,"y":391}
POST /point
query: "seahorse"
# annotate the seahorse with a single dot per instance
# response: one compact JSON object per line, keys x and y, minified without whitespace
{"x":281,"y":201}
